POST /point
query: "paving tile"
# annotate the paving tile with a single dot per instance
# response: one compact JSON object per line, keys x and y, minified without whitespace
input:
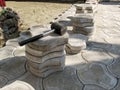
{"x":96,"y":55}
{"x":93,"y":87}
{"x":66,"y":80}
{"x":32,"y":80}
{"x":6,"y":52}
{"x":97,"y":74}
{"x":114,"y":68}
{"x":75,"y":61}
{"x":12,"y":68}
{"x":18,"y":85}
{"x":117,"y":86}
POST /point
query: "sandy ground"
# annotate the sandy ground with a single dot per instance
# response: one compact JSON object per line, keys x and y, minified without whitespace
{"x":37,"y":12}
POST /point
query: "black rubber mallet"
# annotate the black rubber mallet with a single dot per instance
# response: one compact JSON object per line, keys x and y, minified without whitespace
{"x":55,"y":28}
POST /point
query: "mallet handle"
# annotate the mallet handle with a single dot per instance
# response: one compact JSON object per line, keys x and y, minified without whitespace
{"x":21,"y":43}
{"x":32,"y":39}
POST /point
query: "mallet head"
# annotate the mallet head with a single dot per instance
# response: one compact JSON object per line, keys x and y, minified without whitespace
{"x":58,"y":28}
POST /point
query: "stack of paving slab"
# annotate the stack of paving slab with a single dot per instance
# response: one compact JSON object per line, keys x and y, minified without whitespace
{"x":46,"y":55}
{"x":83,"y":21}
{"x":83,"y":27}
{"x":76,"y":43}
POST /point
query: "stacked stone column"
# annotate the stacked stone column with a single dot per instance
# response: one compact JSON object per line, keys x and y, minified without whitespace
{"x":83,"y":21}
{"x":46,"y":55}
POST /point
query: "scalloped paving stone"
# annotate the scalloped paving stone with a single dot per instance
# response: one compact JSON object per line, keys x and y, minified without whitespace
{"x":12,"y":42}
{"x":41,"y":59}
{"x":46,"y":43}
{"x":115,"y":46}
{"x":93,"y":87}
{"x":51,"y":62}
{"x":43,"y":53}
{"x":18,"y":85}
{"x":66,"y":80}
{"x":34,"y":81}
{"x":6,"y":52}
{"x":47,"y":71}
{"x":13,"y":67}
{"x":3,"y":81}
{"x":75,"y":61}
{"x":96,"y":55}
{"x":114,"y":68}
{"x":76,"y":43}
{"x":19,"y":51}
{"x":97,"y":74}
{"x":117,"y":86}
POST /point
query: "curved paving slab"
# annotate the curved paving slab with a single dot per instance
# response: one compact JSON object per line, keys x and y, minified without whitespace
{"x":6,"y":52}
{"x":75,"y":61}
{"x":18,"y":85}
{"x":12,"y":42}
{"x":115,"y":46}
{"x":117,"y":86}
{"x":66,"y":80}
{"x":114,"y":68}
{"x":34,"y":81}
{"x":93,"y":87}
{"x":97,"y":74}
{"x":96,"y":54}
{"x":19,"y":51}
{"x":12,"y":68}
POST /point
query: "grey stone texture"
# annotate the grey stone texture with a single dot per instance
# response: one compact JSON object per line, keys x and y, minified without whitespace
{"x":97,"y":74}
{"x":18,"y":85}
{"x":97,"y":55}
{"x":83,"y":24}
{"x":76,"y":43}
{"x":114,"y":68}
{"x":66,"y":80}
{"x":93,"y":87}
{"x":11,"y":68}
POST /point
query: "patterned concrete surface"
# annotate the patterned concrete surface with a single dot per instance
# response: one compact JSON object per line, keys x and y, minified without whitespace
{"x":95,"y":68}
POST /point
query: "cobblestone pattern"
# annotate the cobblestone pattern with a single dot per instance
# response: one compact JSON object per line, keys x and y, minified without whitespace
{"x":95,"y":68}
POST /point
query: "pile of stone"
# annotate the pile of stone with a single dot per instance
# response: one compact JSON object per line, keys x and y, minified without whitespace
{"x":83,"y":28}
{"x":76,"y":43}
{"x":9,"y":23}
{"x":83,"y":24}
{"x":46,"y":55}
{"x":83,"y":20}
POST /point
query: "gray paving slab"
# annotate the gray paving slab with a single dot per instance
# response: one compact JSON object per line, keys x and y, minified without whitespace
{"x":93,"y":87}
{"x":66,"y":80}
{"x":114,"y":68}
{"x":96,"y":55}
{"x":117,"y":86}
{"x":97,"y":74}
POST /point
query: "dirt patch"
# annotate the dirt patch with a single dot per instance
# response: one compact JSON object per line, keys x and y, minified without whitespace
{"x":37,"y":12}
